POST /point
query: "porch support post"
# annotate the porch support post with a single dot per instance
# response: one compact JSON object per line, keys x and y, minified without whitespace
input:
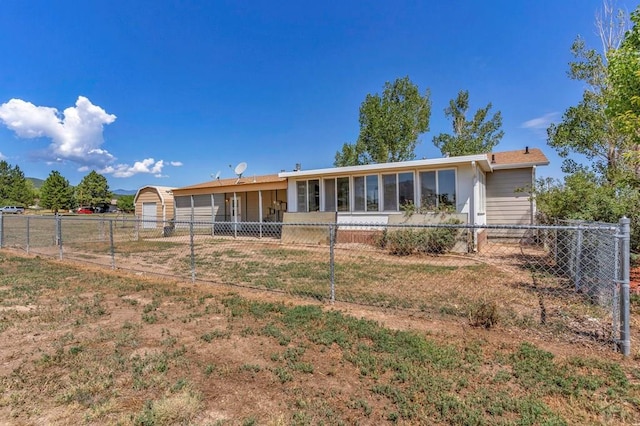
{"x":260,"y":210}
{"x":235,"y":215}
{"x":213,"y":215}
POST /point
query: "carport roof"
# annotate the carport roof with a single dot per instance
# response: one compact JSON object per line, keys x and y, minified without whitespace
{"x":246,"y":182}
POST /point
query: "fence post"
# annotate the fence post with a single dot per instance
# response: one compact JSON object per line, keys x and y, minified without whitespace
{"x":193,"y":252}
{"x":112,"y":247}
{"x":578,"y":259}
{"x":332,"y":263}
{"x":625,"y":332}
{"x":1,"y":230}
{"x":27,"y":226}
{"x":59,"y":234}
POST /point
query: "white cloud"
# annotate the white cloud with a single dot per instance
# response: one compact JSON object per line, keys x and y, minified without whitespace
{"x":176,"y":163}
{"x":76,"y":135}
{"x":541,"y":123}
{"x":2,"y":157}
{"x":148,"y":165}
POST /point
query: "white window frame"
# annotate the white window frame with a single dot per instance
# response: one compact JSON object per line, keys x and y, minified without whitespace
{"x":437,"y":175}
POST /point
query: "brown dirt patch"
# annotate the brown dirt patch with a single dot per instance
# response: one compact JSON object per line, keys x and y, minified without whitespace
{"x":108,"y":345}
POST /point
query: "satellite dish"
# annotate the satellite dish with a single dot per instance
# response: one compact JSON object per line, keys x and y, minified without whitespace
{"x":217,"y":175}
{"x":240,"y":168}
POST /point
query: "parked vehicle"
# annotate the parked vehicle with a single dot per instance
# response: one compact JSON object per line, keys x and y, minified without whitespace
{"x":12,"y":209}
{"x":85,"y":210}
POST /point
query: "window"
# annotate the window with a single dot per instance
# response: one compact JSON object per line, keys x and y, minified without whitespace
{"x":447,"y":188}
{"x":389,"y":187}
{"x":372,"y":193}
{"x":405,"y":188}
{"x":342,"y":191}
{"x":308,"y":195}
{"x":365,"y":193}
{"x":438,"y":189}
{"x":313,"y":195}
{"x":329,"y":195}
{"x":398,"y":190}
{"x":428,"y":190}
{"x":302,"y":195}
{"x":358,"y":194}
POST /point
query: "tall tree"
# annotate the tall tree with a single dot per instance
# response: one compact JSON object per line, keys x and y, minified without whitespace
{"x":93,"y":190}
{"x":14,"y":187}
{"x":586,"y":128}
{"x":56,"y":193}
{"x":390,"y":125}
{"x":602,"y":127}
{"x":475,"y":136}
{"x":126,"y":204}
{"x":623,"y":103}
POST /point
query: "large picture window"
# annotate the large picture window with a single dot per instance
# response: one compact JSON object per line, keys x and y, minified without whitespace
{"x":365,"y":193}
{"x":308,"y":195}
{"x":398,"y":190}
{"x":438,"y":189}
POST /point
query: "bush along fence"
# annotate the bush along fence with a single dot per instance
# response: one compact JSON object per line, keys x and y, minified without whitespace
{"x":570,"y":281}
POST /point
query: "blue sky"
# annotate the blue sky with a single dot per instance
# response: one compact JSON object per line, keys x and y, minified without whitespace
{"x":170,"y":92}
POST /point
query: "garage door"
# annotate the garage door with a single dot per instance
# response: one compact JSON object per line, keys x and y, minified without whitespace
{"x":149,"y":212}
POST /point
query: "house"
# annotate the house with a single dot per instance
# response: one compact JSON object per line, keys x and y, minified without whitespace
{"x":154,"y":205}
{"x":485,"y":188}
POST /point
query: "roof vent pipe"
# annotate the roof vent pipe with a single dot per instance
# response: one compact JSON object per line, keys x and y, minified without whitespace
{"x":493,"y":159}
{"x":526,"y":149}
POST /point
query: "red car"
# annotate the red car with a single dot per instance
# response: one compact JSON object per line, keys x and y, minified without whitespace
{"x":85,"y":210}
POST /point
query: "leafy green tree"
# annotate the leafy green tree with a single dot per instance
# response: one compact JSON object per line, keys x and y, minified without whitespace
{"x":601,"y":129}
{"x":93,"y":190}
{"x":591,"y":128}
{"x":623,"y":102}
{"x":390,"y":125}
{"x":14,"y":187}
{"x":476,"y":136}
{"x":125,"y":203}
{"x":56,"y":193}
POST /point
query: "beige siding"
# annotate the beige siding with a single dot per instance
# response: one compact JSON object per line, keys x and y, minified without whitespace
{"x":201,"y":208}
{"x":505,"y":205}
{"x":149,"y":195}
{"x":164,"y":203}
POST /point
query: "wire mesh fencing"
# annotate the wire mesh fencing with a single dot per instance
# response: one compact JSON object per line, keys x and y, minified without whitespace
{"x":569,"y":281}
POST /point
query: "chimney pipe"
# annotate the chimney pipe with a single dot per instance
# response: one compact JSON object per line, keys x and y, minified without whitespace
{"x":526,"y":149}
{"x":493,"y":158}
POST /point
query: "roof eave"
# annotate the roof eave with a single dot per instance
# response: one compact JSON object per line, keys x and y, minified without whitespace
{"x":447,"y":161}
{"x":519,"y":165}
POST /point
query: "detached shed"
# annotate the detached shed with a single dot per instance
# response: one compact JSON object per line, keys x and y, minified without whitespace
{"x":154,"y":205}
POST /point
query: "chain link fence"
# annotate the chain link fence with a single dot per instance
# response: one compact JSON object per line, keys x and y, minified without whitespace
{"x":570,"y":281}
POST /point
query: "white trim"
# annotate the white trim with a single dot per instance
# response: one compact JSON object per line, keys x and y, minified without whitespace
{"x":518,"y":165}
{"x":481,"y":159}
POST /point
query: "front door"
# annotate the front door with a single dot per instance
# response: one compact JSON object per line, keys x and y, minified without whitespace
{"x":236,"y":209}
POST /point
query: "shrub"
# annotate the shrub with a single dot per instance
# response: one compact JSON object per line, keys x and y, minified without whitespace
{"x":483,"y":314}
{"x":406,"y":241}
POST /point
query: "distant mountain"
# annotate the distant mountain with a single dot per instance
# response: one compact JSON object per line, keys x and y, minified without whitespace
{"x":37,"y":183}
{"x":124,"y":191}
